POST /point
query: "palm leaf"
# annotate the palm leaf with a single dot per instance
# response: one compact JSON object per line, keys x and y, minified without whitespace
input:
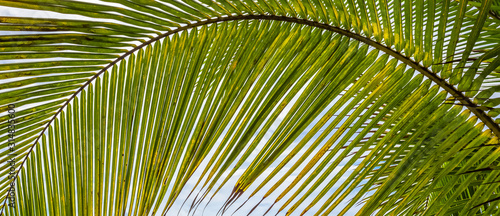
{"x":305,"y":107}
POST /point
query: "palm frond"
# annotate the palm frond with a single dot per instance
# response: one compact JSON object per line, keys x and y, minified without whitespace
{"x":313,"y":106}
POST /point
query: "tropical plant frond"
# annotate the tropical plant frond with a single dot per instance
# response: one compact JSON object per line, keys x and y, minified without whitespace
{"x":310,"y":106}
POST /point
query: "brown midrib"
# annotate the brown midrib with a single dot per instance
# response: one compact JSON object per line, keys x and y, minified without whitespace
{"x":474,"y":108}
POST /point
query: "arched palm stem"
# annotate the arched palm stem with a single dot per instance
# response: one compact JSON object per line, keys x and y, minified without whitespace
{"x":458,"y":95}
